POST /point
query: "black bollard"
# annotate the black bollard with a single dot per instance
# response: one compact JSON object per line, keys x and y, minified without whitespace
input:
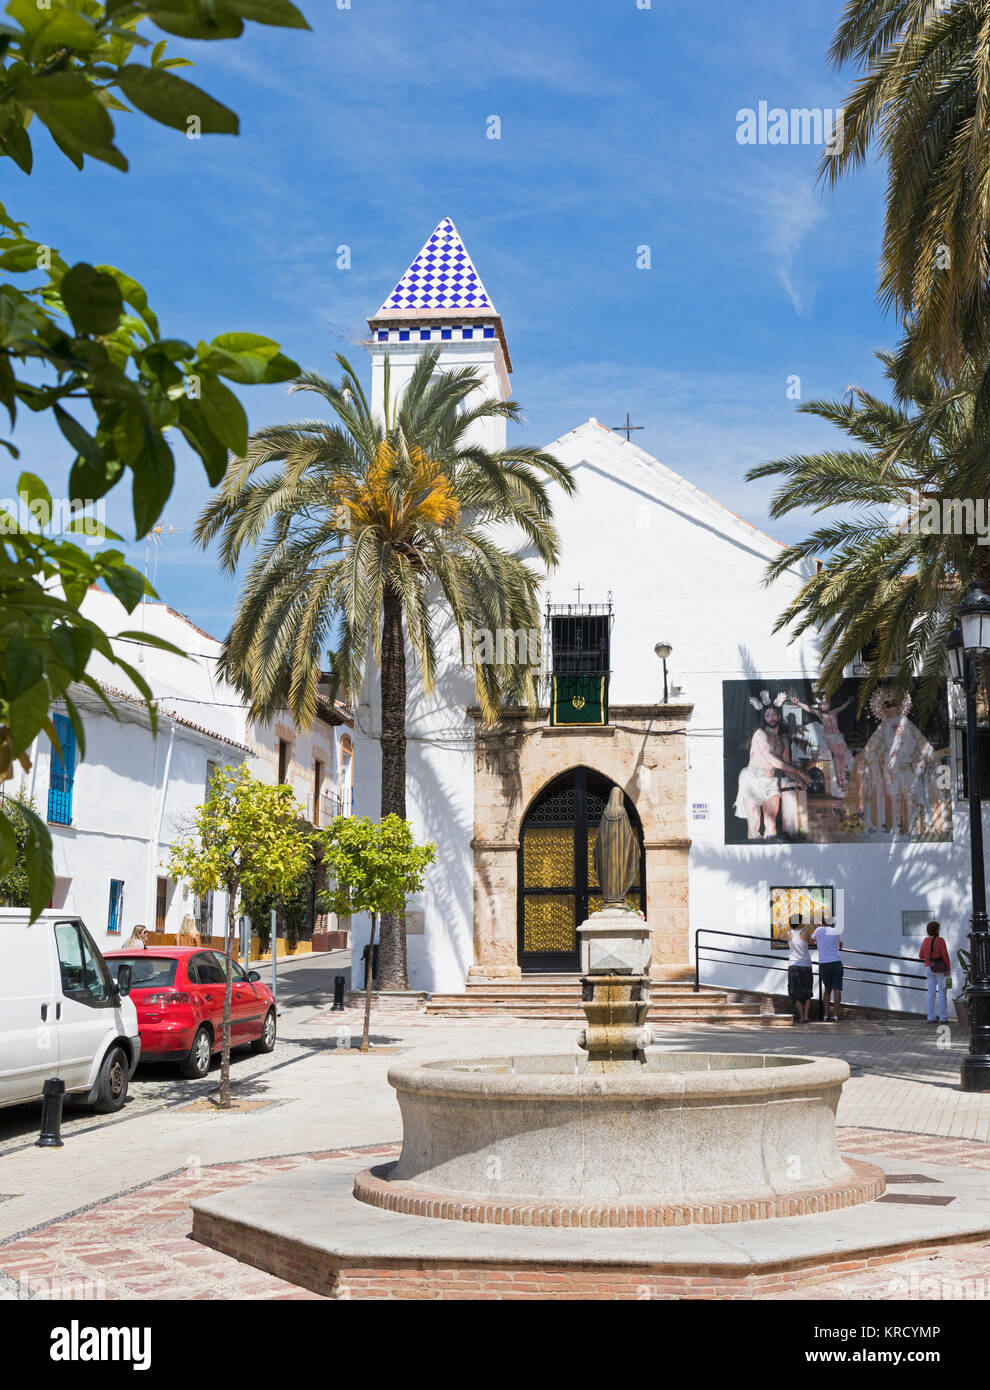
{"x":338,"y":994}
{"x":53,"y":1094}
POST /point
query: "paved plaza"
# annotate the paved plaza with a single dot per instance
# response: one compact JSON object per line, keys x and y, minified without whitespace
{"x":108,"y":1214}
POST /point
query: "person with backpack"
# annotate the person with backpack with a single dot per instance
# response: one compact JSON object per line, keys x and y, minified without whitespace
{"x":934,"y":956}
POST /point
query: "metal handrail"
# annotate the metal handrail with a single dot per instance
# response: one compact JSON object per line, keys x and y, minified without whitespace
{"x":779,"y":965}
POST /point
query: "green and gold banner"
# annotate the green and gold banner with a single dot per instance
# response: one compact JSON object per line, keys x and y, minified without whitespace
{"x":579,"y":700}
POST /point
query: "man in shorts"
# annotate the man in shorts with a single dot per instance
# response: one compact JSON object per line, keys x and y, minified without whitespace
{"x":799,"y":973}
{"x":828,"y":939}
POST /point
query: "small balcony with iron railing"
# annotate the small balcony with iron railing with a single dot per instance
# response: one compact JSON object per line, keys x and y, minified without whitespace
{"x":578,"y":647}
{"x":321,"y":810}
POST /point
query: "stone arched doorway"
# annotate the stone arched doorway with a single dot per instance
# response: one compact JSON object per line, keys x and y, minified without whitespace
{"x":557,"y":886}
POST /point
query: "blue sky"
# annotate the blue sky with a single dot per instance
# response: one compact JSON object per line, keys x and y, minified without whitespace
{"x":618,"y":130}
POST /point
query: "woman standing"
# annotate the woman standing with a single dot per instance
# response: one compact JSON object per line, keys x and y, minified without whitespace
{"x":935,"y":957}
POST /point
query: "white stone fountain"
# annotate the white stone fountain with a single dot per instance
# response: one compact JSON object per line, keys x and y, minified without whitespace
{"x":621,"y":1136}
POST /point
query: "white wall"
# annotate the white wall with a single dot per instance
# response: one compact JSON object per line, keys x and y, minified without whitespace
{"x":440,"y":806}
{"x":440,"y":736}
{"x":191,"y":688}
{"x":683,"y":570}
{"x":483,"y":357}
{"x":132,"y":799}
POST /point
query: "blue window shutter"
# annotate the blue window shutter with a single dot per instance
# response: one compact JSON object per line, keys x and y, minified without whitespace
{"x":116,"y":905}
{"x":62,"y":774}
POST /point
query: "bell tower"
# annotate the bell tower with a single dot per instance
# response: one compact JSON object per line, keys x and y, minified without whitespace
{"x":441,"y":302}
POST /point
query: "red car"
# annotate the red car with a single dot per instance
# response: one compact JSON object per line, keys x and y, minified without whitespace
{"x":178,"y":993}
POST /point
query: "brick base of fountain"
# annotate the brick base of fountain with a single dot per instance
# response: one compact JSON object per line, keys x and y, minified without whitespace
{"x":376,"y":1187}
{"x":682,"y":1138}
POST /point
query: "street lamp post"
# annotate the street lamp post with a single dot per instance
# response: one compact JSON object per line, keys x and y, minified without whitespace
{"x":967,"y":647}
{"x":663,"y":650}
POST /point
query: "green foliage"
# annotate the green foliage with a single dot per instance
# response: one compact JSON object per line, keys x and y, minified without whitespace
{"x":17,"y":814}
{"x":86,"y":334}
{"x":64,"y":62}
{"x":363,"y":509}
{"x":887,"y":585}
{"x":258,"y":912}
{"x":249,"y":839}
{"x":965,"y":960}
{"x":923,"y":68}
{"x":294,"y":908}
{"x":373,"y":865}
{"x":45,"y":646}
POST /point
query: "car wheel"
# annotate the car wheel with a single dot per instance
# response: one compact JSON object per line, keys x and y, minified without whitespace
{"x":110,"y":1091}
{"x":266,"y":1042}
{"x":197,"y":1063}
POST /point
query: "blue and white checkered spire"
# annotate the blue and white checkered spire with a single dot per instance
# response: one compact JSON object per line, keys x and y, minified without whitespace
{"x":441,"y":277}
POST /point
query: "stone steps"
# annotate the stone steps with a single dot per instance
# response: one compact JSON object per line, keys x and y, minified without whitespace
{"x":525,"y":996}
{"x":512,"y":1003}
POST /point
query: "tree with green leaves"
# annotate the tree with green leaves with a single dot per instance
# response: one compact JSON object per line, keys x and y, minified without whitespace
{"x":250,"y":841}
{"x":921,"y":98}
{"x":374,"y":867}
{"x":890,"y":578}
{"x":15,"y":885}
{"x":374,"y":532}
{"x":81,"y":344}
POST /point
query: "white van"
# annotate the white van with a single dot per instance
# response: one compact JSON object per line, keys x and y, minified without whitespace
{"x":61,"y":1013}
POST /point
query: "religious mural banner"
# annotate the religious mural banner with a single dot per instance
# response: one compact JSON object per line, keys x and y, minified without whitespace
{"x":581,"y":699}
{"x":802,"y":768}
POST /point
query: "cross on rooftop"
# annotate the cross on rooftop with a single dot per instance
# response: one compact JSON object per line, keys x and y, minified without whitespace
{"x":627,"y":428}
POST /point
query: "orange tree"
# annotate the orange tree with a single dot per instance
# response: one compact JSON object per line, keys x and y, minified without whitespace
{"x":251,"y":841}
{"x":374,"y":867}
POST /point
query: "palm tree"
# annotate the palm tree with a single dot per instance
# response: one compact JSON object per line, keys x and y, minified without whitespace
{"x":924,"y":97}
{"x":370,"y":533}
{"x":888,"y":579}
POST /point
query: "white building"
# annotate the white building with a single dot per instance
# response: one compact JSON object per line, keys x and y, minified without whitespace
{"x":114,"y":815}
{"x":649,"y":558}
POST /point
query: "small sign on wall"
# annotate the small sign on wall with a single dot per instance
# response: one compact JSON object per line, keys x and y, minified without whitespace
{"x":699,"y":810}
{"x":415,"y":921}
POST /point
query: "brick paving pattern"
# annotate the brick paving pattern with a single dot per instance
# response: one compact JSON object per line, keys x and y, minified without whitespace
{"x":137,"y":1246}
{"x":108,"y":1215}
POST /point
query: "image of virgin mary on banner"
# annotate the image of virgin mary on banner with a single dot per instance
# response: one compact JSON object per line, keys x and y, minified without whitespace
{"x":803,"y":767}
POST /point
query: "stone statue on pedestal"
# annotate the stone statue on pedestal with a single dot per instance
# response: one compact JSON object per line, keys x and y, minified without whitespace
{"x":615,"y":954}
{"x":616,"y":853}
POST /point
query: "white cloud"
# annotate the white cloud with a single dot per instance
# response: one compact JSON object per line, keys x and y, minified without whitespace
{"x":790,"y":210}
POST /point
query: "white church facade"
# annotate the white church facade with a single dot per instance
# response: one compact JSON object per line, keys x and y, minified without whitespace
{"x":863,"y":814}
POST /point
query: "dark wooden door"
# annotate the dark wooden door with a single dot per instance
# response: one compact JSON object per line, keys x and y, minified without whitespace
{"x":557,"y":885}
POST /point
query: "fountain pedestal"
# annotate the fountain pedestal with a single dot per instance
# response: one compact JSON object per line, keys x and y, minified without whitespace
{"x":615,"y":990}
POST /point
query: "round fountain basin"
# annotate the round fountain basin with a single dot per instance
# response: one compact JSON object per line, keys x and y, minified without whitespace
{"x":687,"y":1137}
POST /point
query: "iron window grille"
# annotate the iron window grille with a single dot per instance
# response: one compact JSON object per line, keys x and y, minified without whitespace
{"x":577,"y":643}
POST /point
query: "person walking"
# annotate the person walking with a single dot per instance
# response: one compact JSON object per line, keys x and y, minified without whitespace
{"x":799,"y":973}
{"x":828,"y":939}
{"x":137,"y":941}
{"x":934,"y":955}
